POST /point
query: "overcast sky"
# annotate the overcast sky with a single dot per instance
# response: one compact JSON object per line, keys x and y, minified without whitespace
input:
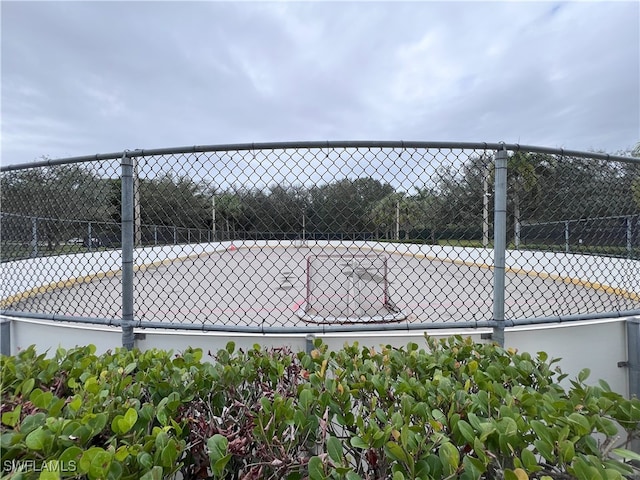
{"x":95,"y":77}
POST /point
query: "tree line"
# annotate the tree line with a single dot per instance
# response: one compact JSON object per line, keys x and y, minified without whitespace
{"x":540,"y":188}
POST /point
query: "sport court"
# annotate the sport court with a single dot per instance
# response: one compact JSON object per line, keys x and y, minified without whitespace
{"x":284,"y":286}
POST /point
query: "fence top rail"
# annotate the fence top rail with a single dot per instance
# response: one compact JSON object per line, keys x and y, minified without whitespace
{"x":580,"y":220}
{"x":62,"y":161}
{"x":513,"y":147}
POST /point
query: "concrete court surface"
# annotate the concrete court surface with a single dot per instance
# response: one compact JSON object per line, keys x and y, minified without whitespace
{"x":267,"y":286}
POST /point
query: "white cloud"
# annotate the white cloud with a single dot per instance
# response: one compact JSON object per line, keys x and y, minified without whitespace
{"x":154,"y":74}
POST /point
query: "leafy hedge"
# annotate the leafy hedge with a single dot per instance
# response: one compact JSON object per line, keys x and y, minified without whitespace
{"x":456,"y":410}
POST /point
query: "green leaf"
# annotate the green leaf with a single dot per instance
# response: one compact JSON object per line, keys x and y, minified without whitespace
{"x":76,"y":403}
{"x":584,"y":374}
{"x":474,"y":467}
{"x":435,"y":466}
{"x":517,"y":474}
{"x":542,"y":431}
{"x":450,"y":458}
{"x":474,"y":420}
{"x":130,"y":368}
{"x":316,"y":469}
{"x":85,"y":460}
{"x":96,"y":422}
{"x":161,"y":440}
{"x":156,"y":473}
{"x":41,"y":399}
{"x":55,"y":407}
{"x":218,"y":445}
{"x":27,"y":386}
{"x":306,"y":398}
{"x":583,"y":471}
{"x":438,"y":416}
{"x":467,"y":431}
{"x":162,"y":416}
{"x":620,"y":467}
{"x":395,"y":452}
{"x":71,"y":456}
{"x":529,"y":460}
{"x":334,"y":449}
{"x":11,"y":418}
{"x":115,"y":471}
{"x":8,"y":439}
{"x":590,"y":445}
{"x":567,"y":451}
{"x":358,"y":442}
{"x":117,"y":425}
{"x":580,"y":423}
{"x":613,"y":475}
{"x":49,"y":475}
{"x":545,"y":449}
{"x":37,"y":439}
{"x":626,"y":454}
{"x":508,"y":427}
{"x":221,"y":464}
{"x":80,"y":434}
{"x":604,"y":385}
{"x":169,"y":455}
{"x":121,"y":453}
{"x":91,"y":385}
{"x":130,"y":419}
{"x":100,"y":464}
{"x":479,"y":449}
{"x":145,"y":460}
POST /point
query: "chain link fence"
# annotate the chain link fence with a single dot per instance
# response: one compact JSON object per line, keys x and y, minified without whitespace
{"x":322,"y":236}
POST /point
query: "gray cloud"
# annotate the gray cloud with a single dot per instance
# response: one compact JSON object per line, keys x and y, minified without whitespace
{"x":87,"y":77}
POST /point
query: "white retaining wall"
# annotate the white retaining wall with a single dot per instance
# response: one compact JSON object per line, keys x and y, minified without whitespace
{"x":596,"y":344}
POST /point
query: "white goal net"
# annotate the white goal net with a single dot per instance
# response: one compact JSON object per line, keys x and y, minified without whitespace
{"x":347,"y":288}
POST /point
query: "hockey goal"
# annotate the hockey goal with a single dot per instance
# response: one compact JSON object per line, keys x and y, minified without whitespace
{"x":348,"y":288}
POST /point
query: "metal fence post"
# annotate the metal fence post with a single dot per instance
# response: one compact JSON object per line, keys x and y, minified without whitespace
{"x":5,"y":337}
{"x":629,"y":236}
{"x":485,"y":203}
{"x":633,"y":359}
{"x":633,"y":364}
{"x":127,"y":252}
{"x":499,"y":243}
{"x":566,"y":236}
{"x":136,"y":205}
{"x":34,"y":237}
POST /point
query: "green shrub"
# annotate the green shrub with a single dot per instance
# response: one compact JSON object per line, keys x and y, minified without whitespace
{"x":454,"y":410}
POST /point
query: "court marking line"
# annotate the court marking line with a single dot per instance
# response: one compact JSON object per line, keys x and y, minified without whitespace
{"x":598,"y":286}
{"x":73,"y":281}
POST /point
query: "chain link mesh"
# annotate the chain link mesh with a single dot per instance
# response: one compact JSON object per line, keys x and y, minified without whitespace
{"x":223,"y":238}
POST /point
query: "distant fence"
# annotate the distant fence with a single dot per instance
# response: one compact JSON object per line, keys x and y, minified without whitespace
{"x":474,"y":211}
{"x":25,"y":236}
{"x":615,"y":236}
